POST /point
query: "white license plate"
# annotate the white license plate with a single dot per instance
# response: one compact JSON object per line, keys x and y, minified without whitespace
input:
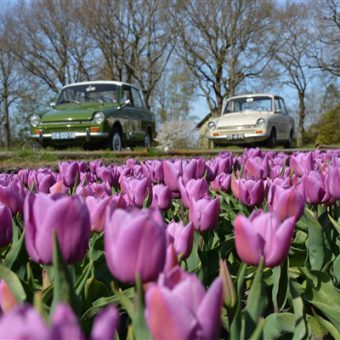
{"x":235,"y":136}
{"x":63,"y":135}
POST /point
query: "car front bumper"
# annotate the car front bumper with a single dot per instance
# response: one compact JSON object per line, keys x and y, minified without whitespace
{"x":86,"y":135}
{"x":238,"y":136}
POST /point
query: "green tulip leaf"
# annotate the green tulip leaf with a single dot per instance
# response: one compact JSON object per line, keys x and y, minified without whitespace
{"x":13,"y":283}
{"x":315,"y":242}
{"x":140,"y":329}
{"x":94,"y":289}
{"x":301,"y":329}
{"x":257,"y":299}
{"x":335,"y":223}
{"x":17,"y":253}
{"x":279,"y":326}
{"x":81,"y":282}
{"x":280,"y":286}
{"x":321,"y":293}
{"x":335,"y":333}
{"x":63,"y":290}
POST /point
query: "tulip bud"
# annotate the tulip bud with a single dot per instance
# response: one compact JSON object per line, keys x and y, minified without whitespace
{"x":7,"y":299}
{"x":229,"y":292}
{"x":332,"y":181}
{"x":194,"y":189}
{"x":137,"y":190}
{"x":70,"y":173}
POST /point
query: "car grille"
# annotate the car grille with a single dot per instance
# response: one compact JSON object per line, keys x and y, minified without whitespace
{"x":63,"y":122}
{"x":236,"y":128}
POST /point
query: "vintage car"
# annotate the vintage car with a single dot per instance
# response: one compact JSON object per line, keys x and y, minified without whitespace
{"x":251,"y":119}
{"x":109,"y":113}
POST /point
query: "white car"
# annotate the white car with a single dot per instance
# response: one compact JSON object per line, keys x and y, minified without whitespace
{"x":253,"y":118}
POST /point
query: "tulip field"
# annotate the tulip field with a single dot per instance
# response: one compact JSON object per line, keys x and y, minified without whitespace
{"x":229,"y":247}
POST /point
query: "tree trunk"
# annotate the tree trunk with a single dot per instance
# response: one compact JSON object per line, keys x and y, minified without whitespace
{"x":6,"y":126}
{"x":302,"y":114}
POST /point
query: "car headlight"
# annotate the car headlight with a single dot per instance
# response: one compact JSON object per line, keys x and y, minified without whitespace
{"x":99,"y":117}
{"x":34,"y":120}
{"x":262,"y":123}
{"x":211,"y":126}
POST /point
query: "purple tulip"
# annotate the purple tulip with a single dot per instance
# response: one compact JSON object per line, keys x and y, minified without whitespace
{"x":223,"y":163}
{"x":222,"y":182}
{"x":172,"y":173}
{"x":193,"y":169}
{"x":67,"y":216}
{"x":154,"y":170}
{"x":171,"y":259}
{"x":70,"y":173}
{"x":182,"y":238}
{"x":161,"y":197}
{"x":137,"y":190}
{"x":257,"y":167}
{"x":263,"y":235}
{"x":65,"y":324}
{"x":313,"y":184}
{"x":97,"y":209}
{"x":194,"y":189}
{"x":301,"y":163}
{"x":6,"y":229}
{"x":249,"y":192}
{"x":190,"y":312}
{"x":135,"y":242}
{"x":108,"y":174}
{"x":204,"y":213}
{"x":285,"y":203}
{"x":332,"y":181}
{"x":105,"y":324}
{"x":13,"y":196}
{"x":23,"y":322}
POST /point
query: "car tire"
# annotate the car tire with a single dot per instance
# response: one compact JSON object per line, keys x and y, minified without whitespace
{"x":271,"y":142}
{"x":116,"y":140}
{"x":147,"y":141}
{"x":289,"y":143}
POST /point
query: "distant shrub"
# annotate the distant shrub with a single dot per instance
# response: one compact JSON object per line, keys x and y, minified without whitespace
{"x":328,"y":127}
{"x":176,"y":134}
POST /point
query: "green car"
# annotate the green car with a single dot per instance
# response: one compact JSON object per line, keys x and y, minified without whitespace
{"x":98,"y":113}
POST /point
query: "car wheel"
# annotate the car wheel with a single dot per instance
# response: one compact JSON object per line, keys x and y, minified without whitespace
{"x":147,"y":141}
{"x":116,"y":140}
{"x":271,"y":142}
{"x":289,"y":143}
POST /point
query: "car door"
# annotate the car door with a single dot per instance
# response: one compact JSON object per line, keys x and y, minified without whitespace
{"x":132,"y":115}
{"x":143,"y":114}
{"x":286,"y":122}
{"x":280,"y":120}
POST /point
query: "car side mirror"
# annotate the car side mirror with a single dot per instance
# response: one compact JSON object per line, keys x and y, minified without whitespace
{"x":52,"y":104}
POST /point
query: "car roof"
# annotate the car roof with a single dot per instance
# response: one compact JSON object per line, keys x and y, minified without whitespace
{"x":112,"y":82}
{"x":250,"y":95}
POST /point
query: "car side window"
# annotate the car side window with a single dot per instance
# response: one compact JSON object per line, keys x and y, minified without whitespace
{"x":278,"y":107}
{"x":126,"y":94}
{"x":136,"y":98}
{"x":283,"y":107}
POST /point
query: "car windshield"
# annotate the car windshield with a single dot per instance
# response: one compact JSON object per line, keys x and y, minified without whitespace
{"x":101,"y":93}
{"x":249,"y":104}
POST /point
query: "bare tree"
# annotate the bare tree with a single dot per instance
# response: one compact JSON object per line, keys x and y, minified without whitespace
{"x":133,"y":39}
{"x":13,"y":84}
{"x":292,"y":57}
{"x":326,"y":49}
{"x":50,"y":43}
{"x":223,"y":42}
